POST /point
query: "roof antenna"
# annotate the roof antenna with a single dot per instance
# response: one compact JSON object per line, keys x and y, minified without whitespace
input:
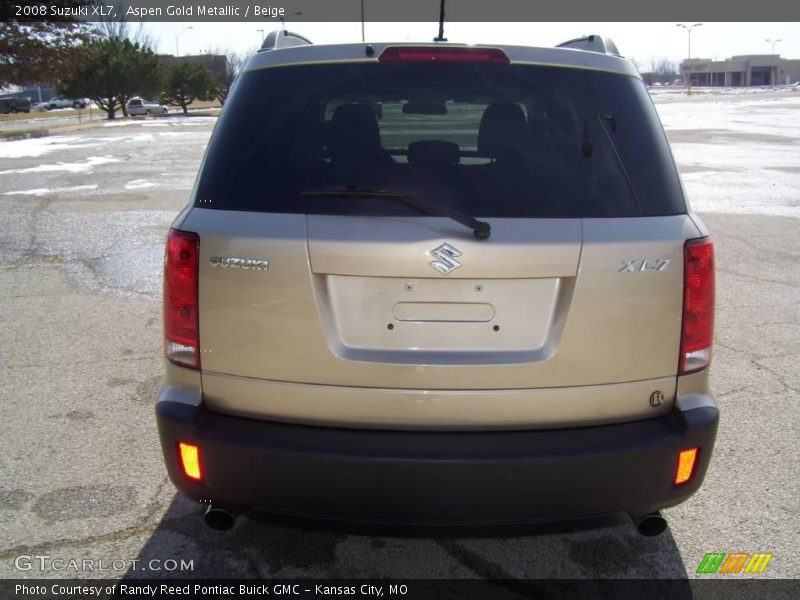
{"x":440,"y":37}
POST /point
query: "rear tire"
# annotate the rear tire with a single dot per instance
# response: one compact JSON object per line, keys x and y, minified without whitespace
{"x":164,"y":111}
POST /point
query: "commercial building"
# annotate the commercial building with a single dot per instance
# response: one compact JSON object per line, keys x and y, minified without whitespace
{"x":742,"y":71}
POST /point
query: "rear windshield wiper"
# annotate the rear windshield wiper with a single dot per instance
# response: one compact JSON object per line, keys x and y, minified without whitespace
{"x":480,"y":229}
{"x":587,"y":150}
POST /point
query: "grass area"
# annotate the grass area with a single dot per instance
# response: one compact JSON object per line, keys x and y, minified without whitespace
{"x":199,"y":104}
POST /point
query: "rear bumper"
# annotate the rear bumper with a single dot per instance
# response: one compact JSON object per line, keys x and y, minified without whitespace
{"x":436,"y":477}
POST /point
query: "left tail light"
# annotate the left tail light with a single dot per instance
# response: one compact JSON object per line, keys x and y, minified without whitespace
{"x":181,"y":332}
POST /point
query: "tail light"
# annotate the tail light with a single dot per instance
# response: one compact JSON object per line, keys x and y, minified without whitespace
{"x":443,"y":54}
{"x":181,"y":336}
{"x":698,"y":306}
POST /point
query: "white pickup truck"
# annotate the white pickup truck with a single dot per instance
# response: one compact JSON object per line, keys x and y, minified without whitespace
{"x":64,"y":102}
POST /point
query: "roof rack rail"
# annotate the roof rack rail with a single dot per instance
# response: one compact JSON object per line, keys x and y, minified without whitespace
{"x":592,"y":43}
{"x":280,"y":38}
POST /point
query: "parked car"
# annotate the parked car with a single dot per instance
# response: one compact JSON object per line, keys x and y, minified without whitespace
{"x":14,"y":105}
{"x":488,"y":302}
{"x":140,"y":106}
{"x":64,"y":102}
{"x":22,"y":105}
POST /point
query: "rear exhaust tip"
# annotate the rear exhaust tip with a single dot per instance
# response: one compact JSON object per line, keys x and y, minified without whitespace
{"x":219,"y":518}
{"x":651,"y":525}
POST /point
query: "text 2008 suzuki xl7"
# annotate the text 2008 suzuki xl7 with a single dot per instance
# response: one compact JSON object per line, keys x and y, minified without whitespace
{"x":438,"y":284}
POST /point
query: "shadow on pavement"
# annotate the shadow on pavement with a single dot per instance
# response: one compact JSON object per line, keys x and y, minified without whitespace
{"x":264,"y":546}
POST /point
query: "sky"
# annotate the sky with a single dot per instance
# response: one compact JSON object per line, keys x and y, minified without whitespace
{"x":642,"y":41}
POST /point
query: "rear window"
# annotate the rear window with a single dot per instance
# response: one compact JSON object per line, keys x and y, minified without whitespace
{"x":490,"y":140}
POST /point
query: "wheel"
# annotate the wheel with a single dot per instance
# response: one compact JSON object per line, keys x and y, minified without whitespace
{"x":147,"y":112}
{"x":163,"y":111}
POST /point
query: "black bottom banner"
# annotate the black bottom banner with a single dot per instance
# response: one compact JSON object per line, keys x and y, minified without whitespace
{"x":616,"y":589}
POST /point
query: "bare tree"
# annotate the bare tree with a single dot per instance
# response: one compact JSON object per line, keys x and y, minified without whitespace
{"x":233,"y":64}
{"x":663,"y":69}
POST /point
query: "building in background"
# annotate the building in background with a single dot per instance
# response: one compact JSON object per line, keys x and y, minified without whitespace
{"x":742,"y":71}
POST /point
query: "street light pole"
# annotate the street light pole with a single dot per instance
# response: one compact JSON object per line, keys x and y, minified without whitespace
{"x":178,"y":37}
{"x":688,"y":29}
{"x":773,"y":42}
{"x":775,"y":66}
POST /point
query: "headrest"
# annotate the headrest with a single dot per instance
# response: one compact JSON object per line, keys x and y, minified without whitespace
{"x":353,"y":132}
{"x":503,"y":130}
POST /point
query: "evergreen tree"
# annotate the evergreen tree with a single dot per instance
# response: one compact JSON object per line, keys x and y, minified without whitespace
{"x":186,"y":83}
{"x":114,"y":69}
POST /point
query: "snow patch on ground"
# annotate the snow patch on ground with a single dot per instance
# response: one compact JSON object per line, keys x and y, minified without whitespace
{"x":176,"y":121}
{"x":41,"y":146}
{"x":43,"y":191}
{"x":737,"y":156}
{"x":139,"y":184}
{"x":74,"y":167}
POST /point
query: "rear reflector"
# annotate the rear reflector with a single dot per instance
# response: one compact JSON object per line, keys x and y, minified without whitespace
{"x":698,"y":306}
{"x":190,"y":460}
{"x":181,"y":337}
{"x":686,"y":462}
{"x":439,"y":54}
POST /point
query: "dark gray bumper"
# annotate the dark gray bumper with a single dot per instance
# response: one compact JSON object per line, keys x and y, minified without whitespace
{"x":437,"y":477}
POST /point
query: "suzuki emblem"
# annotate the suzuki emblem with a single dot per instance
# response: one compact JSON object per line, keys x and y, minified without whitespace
{"x":447,"y":258}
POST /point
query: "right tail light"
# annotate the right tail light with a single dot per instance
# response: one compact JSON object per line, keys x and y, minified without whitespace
{"x":697,"y":332}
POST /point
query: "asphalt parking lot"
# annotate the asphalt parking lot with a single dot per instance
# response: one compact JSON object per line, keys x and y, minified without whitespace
{"x":82,"y":221}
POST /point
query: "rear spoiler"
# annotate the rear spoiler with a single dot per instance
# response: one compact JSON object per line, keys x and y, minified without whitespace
{"x":280,"y":38}
{"x":592,"y":43}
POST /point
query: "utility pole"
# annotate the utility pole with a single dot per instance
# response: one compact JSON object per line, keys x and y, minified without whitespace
{"x":688,"y":29}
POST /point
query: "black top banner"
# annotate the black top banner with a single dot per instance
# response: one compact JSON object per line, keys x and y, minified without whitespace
{"x":398,"y":10}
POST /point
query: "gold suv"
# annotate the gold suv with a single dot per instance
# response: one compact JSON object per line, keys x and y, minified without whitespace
{"x":438,"y":283}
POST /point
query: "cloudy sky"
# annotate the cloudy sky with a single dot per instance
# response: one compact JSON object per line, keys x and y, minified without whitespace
{"x":643,"y":41}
